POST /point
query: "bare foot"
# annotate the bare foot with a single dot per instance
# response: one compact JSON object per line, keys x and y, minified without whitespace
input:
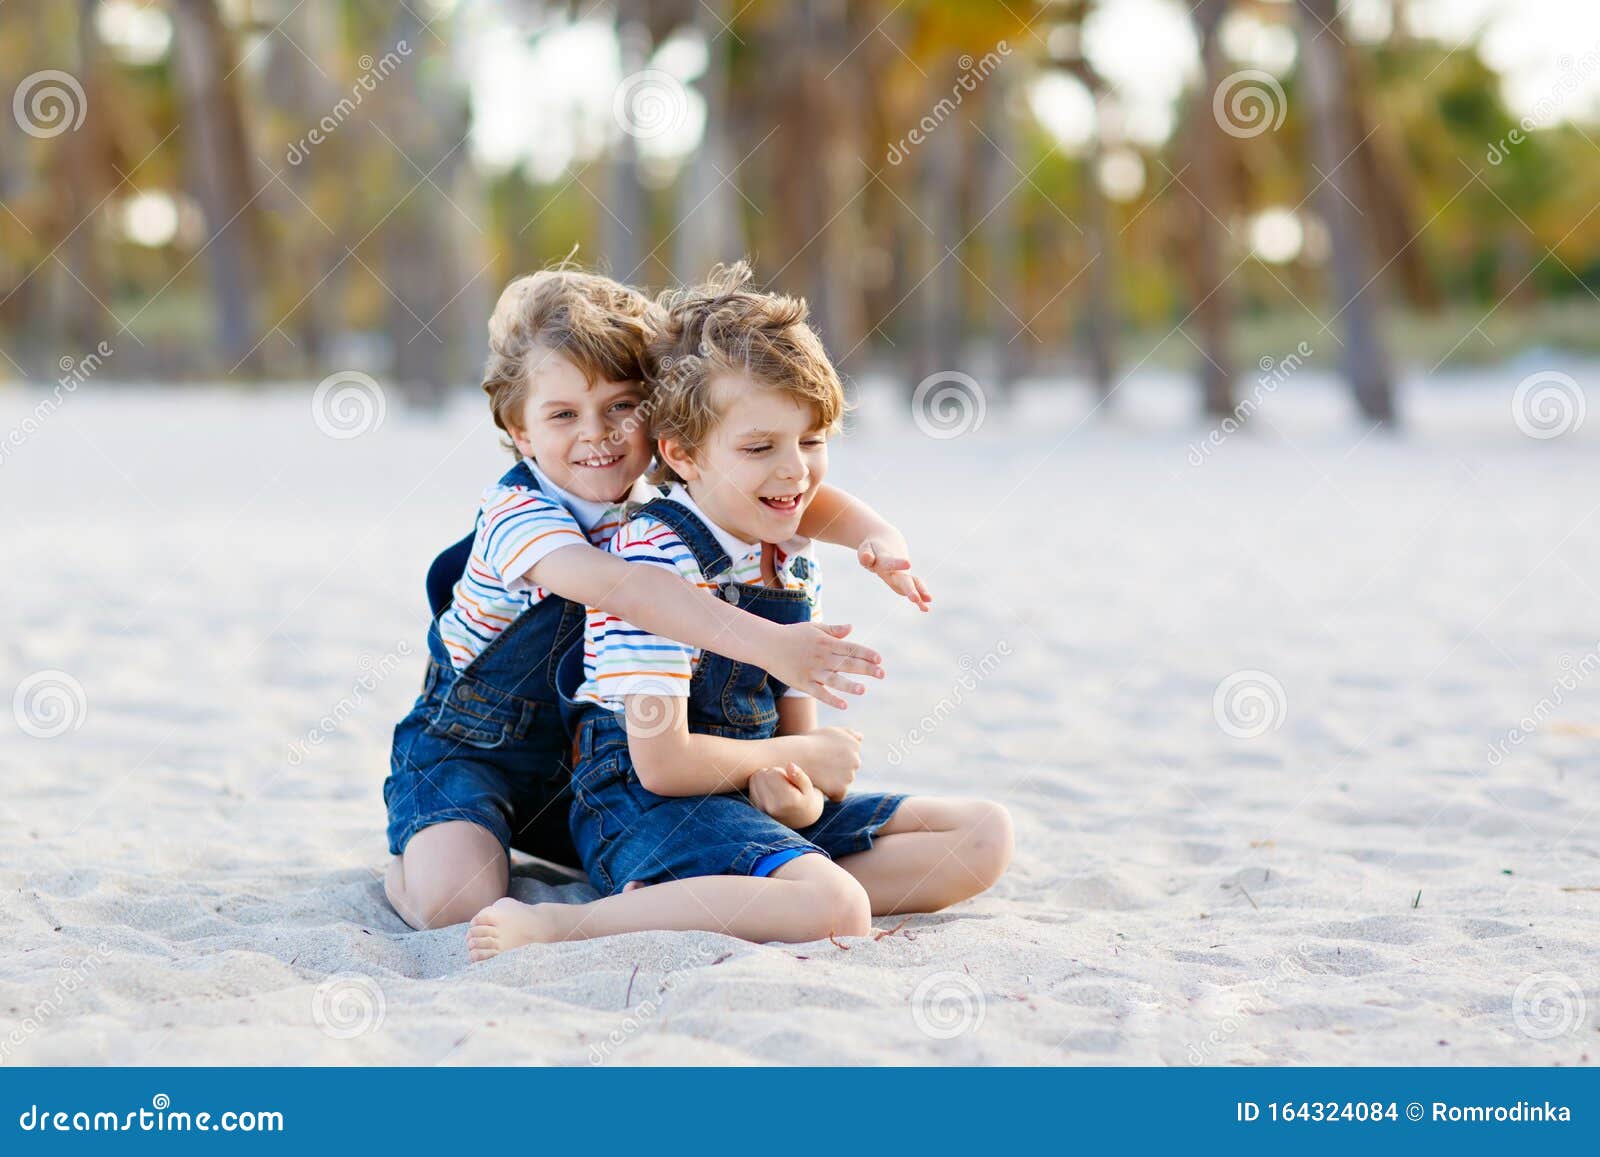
{"x":508,"y":924}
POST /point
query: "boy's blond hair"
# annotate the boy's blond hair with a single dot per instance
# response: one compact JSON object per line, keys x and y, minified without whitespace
{"x":600,"y":325}
{"x":722,"y":327}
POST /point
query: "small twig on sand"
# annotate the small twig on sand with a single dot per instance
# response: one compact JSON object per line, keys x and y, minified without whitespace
{"x":891,"y":931}
{"x":1580,"y":888}
{"x":836,"y":944}
{"x":627,"y":1000}
{"x":1418,"y":899}
{"x":1251,"y":898}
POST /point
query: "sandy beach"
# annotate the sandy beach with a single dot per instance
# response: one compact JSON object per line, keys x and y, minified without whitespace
{"x":1300,"y":731}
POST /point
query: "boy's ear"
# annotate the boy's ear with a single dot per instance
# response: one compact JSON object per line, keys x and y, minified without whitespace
{"x":519,"y":439}
{"x":673,"y":453}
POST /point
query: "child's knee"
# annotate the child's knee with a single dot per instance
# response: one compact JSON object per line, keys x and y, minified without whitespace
{"x":988,"y":840}
{"x":430,"y":900}
{"x":839,"y":904}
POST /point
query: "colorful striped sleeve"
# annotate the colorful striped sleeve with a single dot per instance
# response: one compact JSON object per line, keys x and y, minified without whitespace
{"x":519,"y":528}
{"x":627,"y":660}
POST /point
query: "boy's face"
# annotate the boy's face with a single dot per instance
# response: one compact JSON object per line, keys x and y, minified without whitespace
{"x":590,"y":440}
{"x":762,"y":463}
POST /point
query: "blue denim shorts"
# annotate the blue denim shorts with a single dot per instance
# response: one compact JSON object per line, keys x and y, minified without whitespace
{"x":625,"y":833}
{"x":521,"y":791}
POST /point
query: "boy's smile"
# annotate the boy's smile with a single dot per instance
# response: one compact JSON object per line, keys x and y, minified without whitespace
{"x":588,"y":438}
{"x":762,"y":463}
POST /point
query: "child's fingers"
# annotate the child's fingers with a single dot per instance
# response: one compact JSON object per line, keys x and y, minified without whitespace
{"x":837,"y":630}
{"x":838,"y":682}
{"x":854,"y":651}
{"x":821,"y":694}
{"x":867,"y":667}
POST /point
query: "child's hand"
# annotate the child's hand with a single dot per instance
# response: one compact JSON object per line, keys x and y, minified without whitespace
{"x":815,"y":658}
{"x":833,"y":756}
{"x":887,"y":556}
{"x":787,"y":795}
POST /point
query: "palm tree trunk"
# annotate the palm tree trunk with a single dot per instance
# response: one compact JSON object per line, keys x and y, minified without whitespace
{"x":708,"y":222}
{"x":220,"y":172}
{"x":1327,"y":88}
{"x":623,"y":228}
{"x":1211,"y":145}
{"x":1008,"y":336}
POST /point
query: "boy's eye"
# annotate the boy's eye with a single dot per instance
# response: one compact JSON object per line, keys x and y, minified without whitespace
{"x":817,"y":441}
{"x":562,"y":415}
{"x":756,"y":449}
{"x":628,"y":405}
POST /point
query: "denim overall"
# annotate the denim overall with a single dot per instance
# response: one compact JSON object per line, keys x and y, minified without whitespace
{"x":625,"y":833}
{"x":487,"y":744}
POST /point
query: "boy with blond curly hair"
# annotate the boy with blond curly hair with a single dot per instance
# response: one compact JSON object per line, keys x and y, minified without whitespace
{"x":481,"y":764}
{"x":705,"y":795}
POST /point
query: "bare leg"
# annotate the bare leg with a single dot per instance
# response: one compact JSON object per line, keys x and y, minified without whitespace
{"x":808,"y":898}
{"x":933,"y":853}
{"x":447,"y":873}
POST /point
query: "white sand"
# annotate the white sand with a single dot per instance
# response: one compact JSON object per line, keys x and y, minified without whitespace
{"x":217,"y":575}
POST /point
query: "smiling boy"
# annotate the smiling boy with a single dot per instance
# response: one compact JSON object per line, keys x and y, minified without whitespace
{"x":482,"y":762}
{"x":706,"y":778}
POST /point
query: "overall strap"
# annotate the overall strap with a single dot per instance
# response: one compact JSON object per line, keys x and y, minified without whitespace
{"x":521,"y":475}
{"x":451,"y":562}
{"x":707,"y":551}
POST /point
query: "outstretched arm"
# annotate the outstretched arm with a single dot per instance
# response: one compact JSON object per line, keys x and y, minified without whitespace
{"x":836,"y":517}
{"x":812,"y":657}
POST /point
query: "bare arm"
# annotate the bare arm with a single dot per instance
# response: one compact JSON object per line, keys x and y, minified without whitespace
{"x":669,"y":759}
{"x":796,"y":716}
{"x":838,"y":518}
{"x":812,"y":657}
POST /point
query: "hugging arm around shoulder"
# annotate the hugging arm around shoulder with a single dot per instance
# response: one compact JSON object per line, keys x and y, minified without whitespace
{"x":657,"y":598}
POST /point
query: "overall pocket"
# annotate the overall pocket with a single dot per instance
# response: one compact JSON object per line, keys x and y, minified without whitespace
{"x":472,"y":712}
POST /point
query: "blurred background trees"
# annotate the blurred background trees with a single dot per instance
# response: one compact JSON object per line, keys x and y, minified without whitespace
{"x":266,"y":189}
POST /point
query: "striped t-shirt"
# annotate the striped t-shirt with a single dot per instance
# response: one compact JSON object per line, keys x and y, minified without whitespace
{"x":517,"y":527}
{"x":621,"y":660}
